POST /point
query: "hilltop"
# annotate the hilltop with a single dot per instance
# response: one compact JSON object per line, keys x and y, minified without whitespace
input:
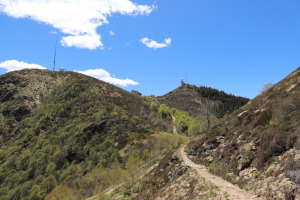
{"x":198,"y":101}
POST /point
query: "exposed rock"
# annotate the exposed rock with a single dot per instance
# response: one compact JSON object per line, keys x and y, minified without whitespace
{"x":193,"y":152}
{"x":137,"y":93}
{"x":208,"y":146}
{"x":242,"y":113}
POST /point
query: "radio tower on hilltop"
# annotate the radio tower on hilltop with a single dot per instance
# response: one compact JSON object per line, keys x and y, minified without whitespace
{"x":181,"y":82}
{"x":54,"y":56}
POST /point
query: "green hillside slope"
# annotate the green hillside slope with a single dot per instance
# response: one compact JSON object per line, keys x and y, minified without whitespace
{"x":58,"y":129}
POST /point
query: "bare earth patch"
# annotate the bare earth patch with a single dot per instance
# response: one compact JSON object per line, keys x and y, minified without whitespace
{"x":231,"y":191}
{"x":291,"y":87}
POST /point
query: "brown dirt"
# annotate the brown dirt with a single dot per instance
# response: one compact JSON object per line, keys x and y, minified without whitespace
{"x":233,"y":191}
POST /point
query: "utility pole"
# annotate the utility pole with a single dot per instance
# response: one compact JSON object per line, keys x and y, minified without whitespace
{"x":54,"y":56}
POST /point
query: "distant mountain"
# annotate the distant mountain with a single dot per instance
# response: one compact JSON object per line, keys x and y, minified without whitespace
{"x":200,"y":100}
{"x":258,"y":145}
{"x":56,"y":128}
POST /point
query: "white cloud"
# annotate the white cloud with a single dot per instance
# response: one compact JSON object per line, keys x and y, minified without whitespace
{"x":83,"y":41}
{"x":79,"y":19}
{"x":112,"y":33}
{"x":53,"y":32}
{"x":155,"y":45}
{"x":12,"y":65}
{"x":105,"y":76}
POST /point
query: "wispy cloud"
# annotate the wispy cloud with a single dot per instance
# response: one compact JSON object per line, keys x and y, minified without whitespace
{"x":53,"y":32}
{"x":13,"y":65}
{"x":155,"y":45}
{"x":78,"y":19}
{"x":103,"y":75}
{"x":112,"y":33}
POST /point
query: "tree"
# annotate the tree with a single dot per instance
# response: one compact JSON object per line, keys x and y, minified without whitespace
{"x":117,"y":174}
{"x":266,"y":87}
{"x":2,"y":124}
{"x":58,"y":158}
{"x":164,"y":111}
{"x":154,"y":107}
{"x":35,"y":193}
{"x":193,"y":128}
{"x":48,"y":184}
{"x":132,"y":164}
{"x":209,"y":108}
{"x":50,"y":169}
{"x":146,"y":155}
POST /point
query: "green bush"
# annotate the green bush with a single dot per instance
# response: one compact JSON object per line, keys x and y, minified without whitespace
{"x":146,"y":100}
{"x":48,"y":184}
{"x":164,"y":111}
{"x":35,"y":193}
{"x":51,"y":168}
{"x":58,"y":159}
{"x":154,"y":107}
{"x":189,"y":124}
{"x":264,"y":118}
{"x":124,"y":118}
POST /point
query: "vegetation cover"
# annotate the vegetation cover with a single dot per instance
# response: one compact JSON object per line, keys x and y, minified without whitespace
{"x":70,"y":136}
{"x":259,"y":140}
{"x":67,"y":135}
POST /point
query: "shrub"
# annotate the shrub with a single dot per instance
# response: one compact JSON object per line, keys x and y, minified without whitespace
{"x":23,"y":161}
{"x":292,"y":169}
{"x":58,"y":158}
{"x":193,"y":128}
{"x":48,"y":184}
{"x":146,"y":100}
{"x":266,"y":87}
{"x":164,"y":111}
{"x":50,"y":169}
{"x":264,"y":118}
{"x":124,"y":118}
{"x":154,"y":107}
{"x":35,"y":193}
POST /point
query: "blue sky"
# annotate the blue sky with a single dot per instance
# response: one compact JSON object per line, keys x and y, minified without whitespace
{"x":233,"y":45}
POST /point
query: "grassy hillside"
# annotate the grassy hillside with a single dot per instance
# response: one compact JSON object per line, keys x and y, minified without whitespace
{"x":258,"y":145}
{"x":65,"y":135}
{"x":200,"y":101}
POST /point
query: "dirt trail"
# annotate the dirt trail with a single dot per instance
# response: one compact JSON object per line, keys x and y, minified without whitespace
{"x":233,"y":191}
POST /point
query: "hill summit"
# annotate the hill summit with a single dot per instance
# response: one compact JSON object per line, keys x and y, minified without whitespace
{"x":202,"y":100}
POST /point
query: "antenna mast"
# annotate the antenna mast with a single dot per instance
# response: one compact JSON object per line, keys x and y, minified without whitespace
{"x":186,"y":78}
{"x":54,"y":56}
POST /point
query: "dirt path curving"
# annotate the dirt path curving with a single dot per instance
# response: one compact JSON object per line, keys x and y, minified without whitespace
{"x":233,"y":191}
